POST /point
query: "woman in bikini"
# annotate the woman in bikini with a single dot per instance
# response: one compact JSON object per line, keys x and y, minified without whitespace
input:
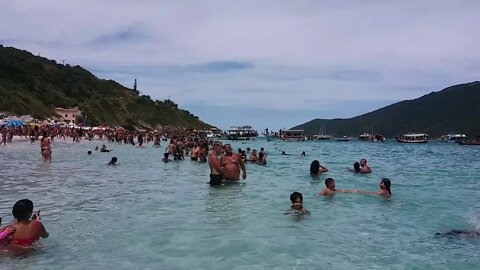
{"x":45,"y":148}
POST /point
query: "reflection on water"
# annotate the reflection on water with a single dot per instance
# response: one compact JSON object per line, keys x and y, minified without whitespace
{"x":146,"y":214}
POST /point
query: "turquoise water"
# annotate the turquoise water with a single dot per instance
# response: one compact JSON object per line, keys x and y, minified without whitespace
{"x":145,"y":214}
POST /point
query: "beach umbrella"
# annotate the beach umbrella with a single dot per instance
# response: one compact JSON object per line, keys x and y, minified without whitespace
{"x":14,"y":123}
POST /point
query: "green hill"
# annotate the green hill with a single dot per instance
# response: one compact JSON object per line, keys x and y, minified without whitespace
{"x":35,"y":85}
{"x":454,"y":109}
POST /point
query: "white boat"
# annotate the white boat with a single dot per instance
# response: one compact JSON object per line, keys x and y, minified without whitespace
{"x":365,"y":137}
{"x":205,"y":134}
{"x":413,"y":138}
{"x":453,"y":138}
{"x":291,"y":135}
{"x":241,"y":133}
{"x":321,"y":136}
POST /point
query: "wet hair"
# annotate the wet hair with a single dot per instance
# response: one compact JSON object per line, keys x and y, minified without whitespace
{"x":329,"y":181}
{"x":261,"y":155}
{"x":22,"y":209}
{"x":165,"y":155}
{"x":356,"y":167}
{"x":89,"y":152}
{"x":387,"y":184}
{"x":295,"y":195}
{"x":303,"y":153}
{"x":113,"y":161}
{"x":283,"y":153}
{"x":315,"y":167}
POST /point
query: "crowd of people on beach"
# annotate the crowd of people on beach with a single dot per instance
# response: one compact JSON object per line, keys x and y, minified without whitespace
{"x":226,"y":166}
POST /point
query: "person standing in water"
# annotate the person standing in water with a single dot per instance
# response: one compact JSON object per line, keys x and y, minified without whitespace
{"x":231,"y":165}
{"x":45,"y":148}
{"x":364,"y":167}
{"x":215,"y":165}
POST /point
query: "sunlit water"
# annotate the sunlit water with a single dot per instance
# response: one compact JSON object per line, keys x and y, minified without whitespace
{"x":145,"y":214}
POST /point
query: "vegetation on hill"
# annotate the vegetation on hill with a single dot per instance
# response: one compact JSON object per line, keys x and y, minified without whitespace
{"x":455,"y":109}
{"x":35,"y":85}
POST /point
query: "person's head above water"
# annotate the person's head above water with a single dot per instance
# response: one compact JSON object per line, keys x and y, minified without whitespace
{"x":385,"y":184}
{"x":363,"y":162}
{"x":283,"y":153}
{"x":315,"y":167}
{"x":330,"y":183}
{"x":303,"y":153}
{"x":22,"y":210}
{"x":356,"y":167}
{"x":297,"y":200}
{"x":89,"y":152}
{"x":113,"y":161}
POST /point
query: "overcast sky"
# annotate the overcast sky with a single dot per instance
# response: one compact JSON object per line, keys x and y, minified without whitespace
{"x":269,"y":64}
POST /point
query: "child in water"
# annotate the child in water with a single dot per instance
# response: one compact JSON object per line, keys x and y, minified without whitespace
{"x":297,"y":204}
{"x":25,"y":231}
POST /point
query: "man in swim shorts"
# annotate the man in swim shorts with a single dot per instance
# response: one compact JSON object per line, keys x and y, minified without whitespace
{"x":231,"y":164}
{"x":215,"y":165}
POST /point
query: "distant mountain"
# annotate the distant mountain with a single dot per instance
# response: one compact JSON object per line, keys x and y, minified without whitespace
{"x":454,"y":109}
{"x":35,"y":85}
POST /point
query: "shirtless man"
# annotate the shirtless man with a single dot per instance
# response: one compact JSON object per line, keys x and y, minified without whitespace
{"x":231,"y":164}
{"x":4,"y":136}
{"x":364,"y":167}
{"x":215,"y":165}
{"x":330,"y":188}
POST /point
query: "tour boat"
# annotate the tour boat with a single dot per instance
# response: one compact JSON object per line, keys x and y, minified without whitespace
{"x":365,"y":137}
{"x":413,"y":138}
{"x":291,"y":135}
{"x":453,"y":138}
{"x":241,"y":133}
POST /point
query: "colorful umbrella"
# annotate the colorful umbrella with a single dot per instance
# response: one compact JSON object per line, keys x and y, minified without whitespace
{"x":14,"y":123}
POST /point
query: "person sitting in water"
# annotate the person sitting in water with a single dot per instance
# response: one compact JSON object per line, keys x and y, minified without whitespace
{"x":316,"y":168}
{"x":330,"y":188}
{"x":297,"y":204}
{"x":165,"y":157}
{"x":26,"y":231}
{"x":262,"y":159}
{"x":384,"y":189}
{"x":113,"y":161}
{"x":104,"y":149}
{"x":364,"y":167}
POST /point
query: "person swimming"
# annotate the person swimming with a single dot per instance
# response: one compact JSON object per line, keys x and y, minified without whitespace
{"x":104,"y":149}
{"x":460,"y":233}
{"x":113,"y":161}
{"x":297,"y":204}
{"x":89,"y":152}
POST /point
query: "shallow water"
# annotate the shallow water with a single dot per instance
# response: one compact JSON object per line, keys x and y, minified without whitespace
{"x":145,"y":214}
